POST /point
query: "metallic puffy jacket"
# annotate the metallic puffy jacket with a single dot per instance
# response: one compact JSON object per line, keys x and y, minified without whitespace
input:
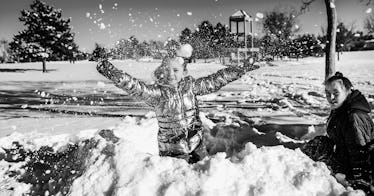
{"x":176,"y":109}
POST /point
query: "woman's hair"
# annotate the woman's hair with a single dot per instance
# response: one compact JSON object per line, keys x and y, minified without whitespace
{"x":162,"y":73}
{"x":339,"y":76}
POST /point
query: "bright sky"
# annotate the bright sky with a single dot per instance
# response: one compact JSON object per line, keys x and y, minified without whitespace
{"x":106,"y":21}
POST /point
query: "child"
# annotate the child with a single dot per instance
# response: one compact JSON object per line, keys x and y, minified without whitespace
{"x":350,"y":132}
{"x":173,"y":98}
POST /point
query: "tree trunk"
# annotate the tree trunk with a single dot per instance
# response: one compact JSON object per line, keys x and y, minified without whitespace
{"x":331,"y":38}
{"x":44,"y":67}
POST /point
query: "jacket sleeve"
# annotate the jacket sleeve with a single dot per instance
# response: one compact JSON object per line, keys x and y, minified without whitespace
{"x":216,"y":81}
{"x":361,"y":133}
{"x":149,"y":94}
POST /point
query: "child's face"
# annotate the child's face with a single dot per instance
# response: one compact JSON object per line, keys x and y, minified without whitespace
{"x":176,"y":70}
{"x":336,"y":93}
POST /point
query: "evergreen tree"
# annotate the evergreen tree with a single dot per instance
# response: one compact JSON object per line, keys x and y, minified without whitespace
{"x":282,"y":26}
{"x":186,"y":36}
{"x":98,"y":53}
{"x":47,"y":35}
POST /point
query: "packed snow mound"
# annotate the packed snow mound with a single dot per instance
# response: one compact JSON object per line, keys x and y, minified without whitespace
{"x":125,"y":161}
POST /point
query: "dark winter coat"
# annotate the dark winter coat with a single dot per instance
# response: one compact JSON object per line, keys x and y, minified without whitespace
{"x":176,"y":109}
{"x":351,"y":129}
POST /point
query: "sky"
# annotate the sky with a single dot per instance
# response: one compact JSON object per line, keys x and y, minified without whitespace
{"x":106,"y":21}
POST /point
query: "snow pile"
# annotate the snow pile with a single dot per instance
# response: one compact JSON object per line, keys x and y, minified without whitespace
{"x":130,"y":165}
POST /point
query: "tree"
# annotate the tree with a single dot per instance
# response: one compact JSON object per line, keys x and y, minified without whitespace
{"x":283,"y":26}
{"x":47,"y":34}
{"x":369,"y":24}
{"x":98,"y":53}
{"x":144,"y":49}
{"x":221,"y":41}
{"x":344,"y":38}
{"x":4,"y":51}
{"x":330,"y":35}
{"x":185,"y":36}
{"x":203,"y":40}
{"x":306,"y":45}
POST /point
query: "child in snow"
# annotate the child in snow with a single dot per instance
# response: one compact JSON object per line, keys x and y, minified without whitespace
{"x":173,"y":98}
{"x":348,"y":147}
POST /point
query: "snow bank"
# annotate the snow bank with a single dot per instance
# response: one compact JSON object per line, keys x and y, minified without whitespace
{"x":132,"y":166}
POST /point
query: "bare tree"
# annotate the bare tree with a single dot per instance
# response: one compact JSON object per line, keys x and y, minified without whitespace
{"x":330,"y":34}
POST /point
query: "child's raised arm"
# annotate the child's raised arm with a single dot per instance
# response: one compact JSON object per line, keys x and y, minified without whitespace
{"x":131,"y":85}
{"x":216,"y":81}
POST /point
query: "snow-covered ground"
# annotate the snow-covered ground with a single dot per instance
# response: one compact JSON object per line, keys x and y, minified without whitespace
{"x":248,"y":125}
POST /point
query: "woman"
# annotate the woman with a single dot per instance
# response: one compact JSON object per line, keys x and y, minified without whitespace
{"x":173,"y":98}
{"x":350,"y":132}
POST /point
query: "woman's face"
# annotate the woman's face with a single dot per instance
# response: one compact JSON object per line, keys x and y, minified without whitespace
{"x":176,"y":70}
{"x":336,"y":93}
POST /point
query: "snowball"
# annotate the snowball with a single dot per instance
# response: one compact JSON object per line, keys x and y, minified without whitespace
{"x":189,"y":13}
{"x":185,"y":51}
{"x":102,"y":26}
{"x":259,"y":15}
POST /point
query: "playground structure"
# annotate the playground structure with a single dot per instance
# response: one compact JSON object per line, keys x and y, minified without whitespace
{"x":241,"y":25}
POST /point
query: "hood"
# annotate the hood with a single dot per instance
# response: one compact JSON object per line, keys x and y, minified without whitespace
{"x":357,"y":101}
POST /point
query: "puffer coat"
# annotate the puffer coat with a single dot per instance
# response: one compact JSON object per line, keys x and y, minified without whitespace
{"x":351,"y":130}
{"x":176,"y":109}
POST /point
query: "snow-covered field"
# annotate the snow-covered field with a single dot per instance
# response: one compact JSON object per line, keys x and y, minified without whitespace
{"x":252,"y":126}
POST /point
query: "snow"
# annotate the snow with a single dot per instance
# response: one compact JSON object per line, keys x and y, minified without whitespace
{"x":369,"y":10}
{"x":102,"y":26}
{"x":259,"y":15}
{"x":136,"y":168}
{"x":189,"y":13}
{"x":185,"y":51}
{"x":246,"y":123}
{"x":332,"y":5}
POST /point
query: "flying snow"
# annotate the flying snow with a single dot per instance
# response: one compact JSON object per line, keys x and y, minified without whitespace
{"x":369,"y":10}
{"x":332,"y":5}
{"x":259,"y":15}
{"x":88,"y":14}
{"x":189,"y":13}
{"x":102,"y":26}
